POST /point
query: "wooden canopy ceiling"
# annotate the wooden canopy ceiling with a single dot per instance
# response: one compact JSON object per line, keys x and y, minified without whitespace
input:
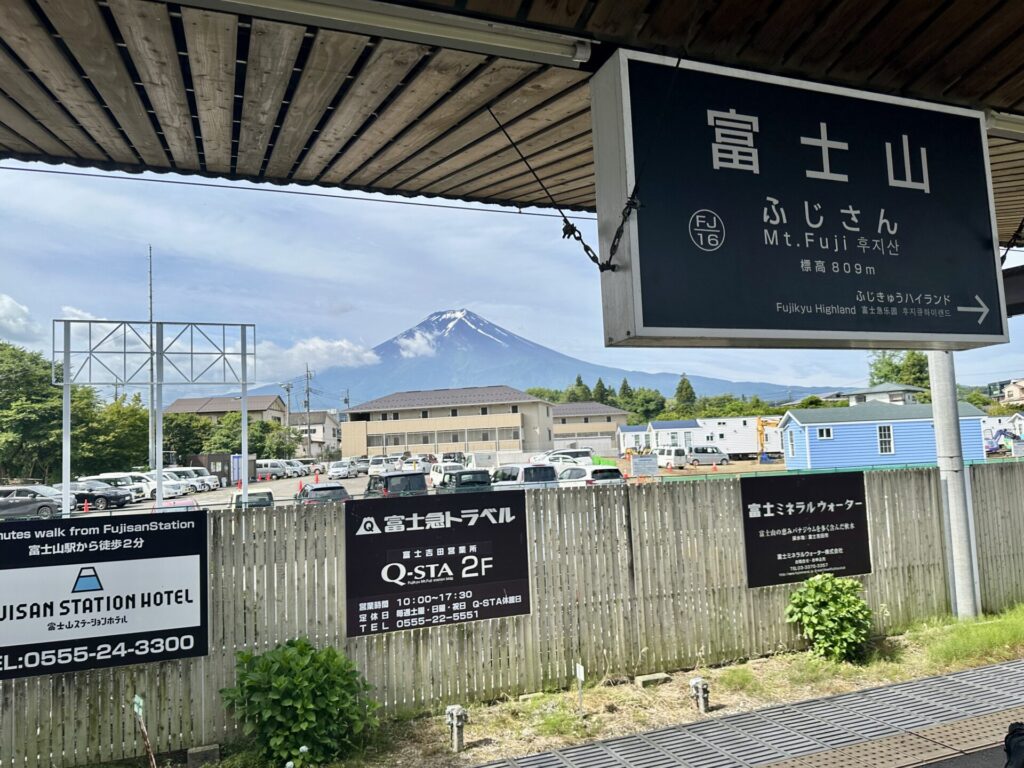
{"x":152,"y":85}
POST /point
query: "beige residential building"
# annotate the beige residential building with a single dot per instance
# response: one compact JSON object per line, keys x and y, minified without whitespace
{"x":324,"y":433}
{"x":261,"y":407}
{"x":589,"y":424}
{"x":496,"y":418}
{"x":1013,"y":393}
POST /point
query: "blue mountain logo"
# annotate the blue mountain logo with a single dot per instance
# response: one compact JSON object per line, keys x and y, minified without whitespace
{"x":88,"y":581}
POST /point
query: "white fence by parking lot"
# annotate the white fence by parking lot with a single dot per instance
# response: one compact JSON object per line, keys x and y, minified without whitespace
{"x":626,"y":580}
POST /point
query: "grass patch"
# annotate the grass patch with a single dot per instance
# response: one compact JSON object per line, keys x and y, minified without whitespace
{"x":739,"y":679}
{"x":807,"y":669}
{"x":985,"y":641}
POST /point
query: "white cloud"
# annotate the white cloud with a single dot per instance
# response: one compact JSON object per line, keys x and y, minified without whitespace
{"x":276,"y":362}
{"x":16,"y":323}
{"x":68,"y":312}
{"x":420,"y":344}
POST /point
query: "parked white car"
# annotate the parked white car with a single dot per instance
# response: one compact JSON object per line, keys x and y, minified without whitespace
{"x":560,"y":460}
{"x":212,"y":482}
{"x":577,"y":476}
{"x":438,"y":471}
{"x":173,"y":487}
{"x":416,"y":464}
{"x":380,"y":465}
{"x":524,"y":476}
{"x":188,"y":478}
{"x":671,"y":458}
{"x":340,"y":470}
{"x":579,"y":455}
{"x":300,"y":468}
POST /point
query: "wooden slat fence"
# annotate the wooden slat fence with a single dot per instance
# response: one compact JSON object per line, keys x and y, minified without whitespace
{"x":998,"y":496}
{"x":626,"y":580}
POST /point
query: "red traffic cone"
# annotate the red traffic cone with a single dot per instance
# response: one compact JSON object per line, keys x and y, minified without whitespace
{"x":316,"y":476}
{"x":300,"y":485}
{"x":85,"y":506}
{"x":239,"y":483}
{"x":714,"y":467}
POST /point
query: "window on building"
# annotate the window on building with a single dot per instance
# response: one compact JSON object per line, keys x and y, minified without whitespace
{"x":744,"y":422}
{"x":608,"y":419}
{"x":394,"y":416}
{"x":885,"y":444}
{"x":824,"y":433}
{"x":485,"y":436}
{"x":423,"y":414}
{"x":792,"y":445}
{"x":563,"y":421}
{"x":586,"y":419}
{"x":547,"y":410}
{"x":721,"y":436}
{"x":455,"y":437}
{"x":674,"y":441}
{"x":374,"y":441}
{"x":383,"y":417}
{"x":549,"y":434}
{"x":515,"y":434}
{"x":483,"y":410}
{"x":425,"y":440}
{"x":515,"y":409}
{"x":709,"y":438}
{"x":455,"y":411}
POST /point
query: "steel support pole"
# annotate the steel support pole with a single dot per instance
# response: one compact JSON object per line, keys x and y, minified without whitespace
{"x":158,"y":415}
{"x":245,"y":418}
{"x":951,"y":471}
{"x":65,"y":456}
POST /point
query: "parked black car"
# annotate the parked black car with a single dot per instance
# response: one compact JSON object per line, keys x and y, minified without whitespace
{"x":322,"y":493}
{"x":397,"y":484}
{"x":464,"y":481}
{"x":99,"y":495}
{"x":29,"y":502}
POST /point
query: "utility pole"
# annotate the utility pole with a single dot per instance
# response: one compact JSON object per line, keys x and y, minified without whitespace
{"x":287,"y":387}
{"x":946,"y":415}
{"x":306,"y":405}
{"x":152,"y":429}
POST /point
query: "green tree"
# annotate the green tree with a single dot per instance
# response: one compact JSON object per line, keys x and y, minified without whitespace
{"x":579,"y":392}
{"x":547,"y":394}
{"x":685,"y":397}
{"x":185,"y":433}
{"x":884,"y":367}
{"x":909,"y":368}
{"x":30,"y":417}
{"x":115,"y":439}
{"x":975,"y":397}
{"x":625,"y":393}
{"x":646,"y":404}
{"x":267,"y":439}
{"x":601,"y":393}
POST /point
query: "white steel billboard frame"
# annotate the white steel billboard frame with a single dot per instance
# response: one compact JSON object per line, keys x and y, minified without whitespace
{"x":123,"y":353}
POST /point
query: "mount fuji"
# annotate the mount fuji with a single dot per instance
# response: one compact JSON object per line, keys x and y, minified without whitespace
{"x":458,"y":348}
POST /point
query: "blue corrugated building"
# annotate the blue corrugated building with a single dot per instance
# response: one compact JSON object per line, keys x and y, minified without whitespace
{"x":871,"y":434}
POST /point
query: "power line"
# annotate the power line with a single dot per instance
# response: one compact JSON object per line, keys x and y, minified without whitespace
{"x":302,"y":193}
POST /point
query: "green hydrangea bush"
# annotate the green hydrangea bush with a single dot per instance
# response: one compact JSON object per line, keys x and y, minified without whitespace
{"x":302,"y":705}
{"x":832,"y":616}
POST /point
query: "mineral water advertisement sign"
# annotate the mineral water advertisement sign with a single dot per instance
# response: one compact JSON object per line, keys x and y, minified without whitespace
{"x":101,"y":591}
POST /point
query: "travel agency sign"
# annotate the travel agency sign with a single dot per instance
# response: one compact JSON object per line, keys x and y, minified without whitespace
{"x":781,"y":213}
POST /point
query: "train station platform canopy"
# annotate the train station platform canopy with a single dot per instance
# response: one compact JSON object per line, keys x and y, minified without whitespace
{"x":410,"y":98}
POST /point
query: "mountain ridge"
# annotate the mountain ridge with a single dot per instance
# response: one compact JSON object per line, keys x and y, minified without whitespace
{"x":459,"y":348}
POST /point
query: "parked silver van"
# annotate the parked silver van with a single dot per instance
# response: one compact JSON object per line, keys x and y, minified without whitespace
{"x":706,"y":455}
{"x":275,"y":469}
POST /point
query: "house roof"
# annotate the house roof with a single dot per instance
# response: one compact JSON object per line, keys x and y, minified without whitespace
{"x":315,"y":417}
{"x":223,"y":404}
{"x":435,"y":398}
{"x":586,"y":409}
{"x":676,"y":424}
{"x":632,"y":428}
{"x":871,"y":412}
{"x":886,"y":387}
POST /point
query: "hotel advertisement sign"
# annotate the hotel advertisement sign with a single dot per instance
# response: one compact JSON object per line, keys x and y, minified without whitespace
{"x":91,"y":592}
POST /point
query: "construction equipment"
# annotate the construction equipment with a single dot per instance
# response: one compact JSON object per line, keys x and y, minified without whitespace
{"x":762,"y":426}
{"x":1001,"y":442}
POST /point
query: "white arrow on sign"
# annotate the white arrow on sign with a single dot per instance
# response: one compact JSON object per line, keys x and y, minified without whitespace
{"x":982,"y":308}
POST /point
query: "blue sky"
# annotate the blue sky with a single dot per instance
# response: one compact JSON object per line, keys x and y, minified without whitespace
{"x":324,"y":280}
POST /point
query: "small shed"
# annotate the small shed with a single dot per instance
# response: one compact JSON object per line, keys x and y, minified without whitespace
{"x":872,"y":434}
{"x":632,"y":437}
